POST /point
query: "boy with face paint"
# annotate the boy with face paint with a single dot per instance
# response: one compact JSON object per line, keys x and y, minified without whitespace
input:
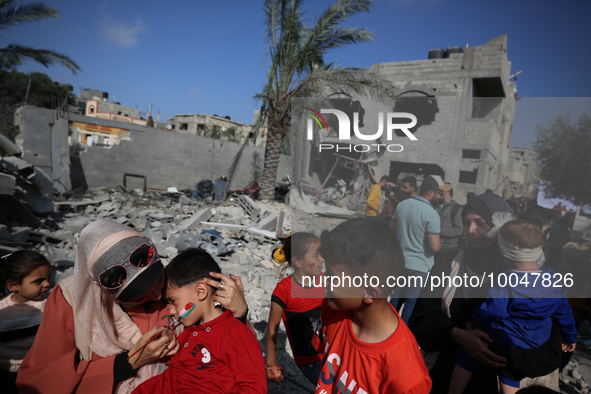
{"x":218,"y":354}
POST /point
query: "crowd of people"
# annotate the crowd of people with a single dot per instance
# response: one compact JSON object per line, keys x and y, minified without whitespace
{"x":127,"y":321}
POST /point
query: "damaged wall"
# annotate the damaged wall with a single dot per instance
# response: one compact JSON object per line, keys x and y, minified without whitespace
{"x":44,"y":141}
{"x":167,"y":159}
{"x":468,"y":140}
{"x":164,"y":158}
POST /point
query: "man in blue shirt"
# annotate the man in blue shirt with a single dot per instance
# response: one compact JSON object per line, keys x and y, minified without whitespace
{"x":418,"y":227}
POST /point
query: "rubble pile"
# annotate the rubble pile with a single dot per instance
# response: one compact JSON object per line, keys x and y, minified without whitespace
{"x":572,"y":380}
{"x":240,"y":233}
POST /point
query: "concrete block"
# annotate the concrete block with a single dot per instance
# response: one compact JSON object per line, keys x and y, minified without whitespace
{"x":140,"y":222}
{"x":7,"y":184}
{"x":108,"y":209}
{"x":194,"y":221}
{"x":262,"y":236}
{"x":249,"y":206}
{"x":101,"y":197}
{"x":184,"y":200}
{"x":161,"y":217}
{"x":172,"y":240}
{"x":154,"y":235}
{"x":269,"y":223}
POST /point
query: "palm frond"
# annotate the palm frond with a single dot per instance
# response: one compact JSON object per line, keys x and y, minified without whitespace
{"x":12,"y":14}
{"x":14,"y":54}
{"x":352,"y":80}
{"x":327,"y":29}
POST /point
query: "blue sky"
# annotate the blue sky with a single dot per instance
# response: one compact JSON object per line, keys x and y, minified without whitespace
{"x":195,"y":56}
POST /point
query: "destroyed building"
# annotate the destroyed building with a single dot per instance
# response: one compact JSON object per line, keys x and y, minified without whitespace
{"x":217,"y":127}
{"x":523,"y":173}
{"x":464,"y":104}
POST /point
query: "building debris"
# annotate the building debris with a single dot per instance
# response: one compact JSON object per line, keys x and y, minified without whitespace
{"x":571,"y":376}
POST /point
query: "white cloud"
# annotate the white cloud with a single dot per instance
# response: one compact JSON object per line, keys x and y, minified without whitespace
{"x":121,"y":33}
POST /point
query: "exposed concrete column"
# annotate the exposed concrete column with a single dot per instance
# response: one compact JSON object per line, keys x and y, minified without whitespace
{"x":60,"y":156}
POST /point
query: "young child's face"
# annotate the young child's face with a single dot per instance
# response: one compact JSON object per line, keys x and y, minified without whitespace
{"x":33,"y":287}
{"x":178,"y":297}
{"x":343,"y":297}
{"x":311,"y":264}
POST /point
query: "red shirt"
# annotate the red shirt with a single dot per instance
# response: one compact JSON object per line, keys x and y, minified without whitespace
{"x":350,"y":365}
{"x":301,"y":315}
{"x":53,"y":364}
{"x":220,"y":356}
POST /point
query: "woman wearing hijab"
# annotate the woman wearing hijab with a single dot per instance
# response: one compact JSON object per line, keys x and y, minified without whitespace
{"x":442,"y":318}
{"x":97,"y":322}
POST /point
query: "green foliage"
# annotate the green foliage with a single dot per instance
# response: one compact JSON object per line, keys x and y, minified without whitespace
{"x":13,"y":55}
{"x":231,"y":134}
{"x":44,"y":92}
{"x":297,"y":57}
{"x":215,"y":131}
{"x":298,"y":69}
{"x":563,"y":148}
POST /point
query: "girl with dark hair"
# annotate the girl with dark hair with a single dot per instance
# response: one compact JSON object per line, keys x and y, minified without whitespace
{"x":296,"y":300}
{"x":26,"y":275}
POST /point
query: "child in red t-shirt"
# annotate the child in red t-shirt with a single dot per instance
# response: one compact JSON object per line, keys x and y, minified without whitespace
{"x":298,"y":306}
{"x":367,"y":347}
{"x":219,"y":353}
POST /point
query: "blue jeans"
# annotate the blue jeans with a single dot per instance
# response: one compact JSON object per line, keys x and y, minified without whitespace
{"x":408,"y":295}
{"x":311,"y":371}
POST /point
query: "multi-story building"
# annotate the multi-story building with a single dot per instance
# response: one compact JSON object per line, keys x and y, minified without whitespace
{"x":96,"y":105}
{"x":464,"y":102}
{"x":214,"y":126}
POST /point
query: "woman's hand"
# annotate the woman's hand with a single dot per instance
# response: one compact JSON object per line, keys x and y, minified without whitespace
{"x":475,"y":343}
{"x":161,"y":342}
{"x":230,"y":293}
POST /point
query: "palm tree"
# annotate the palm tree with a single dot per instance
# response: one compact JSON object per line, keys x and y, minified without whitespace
{"x":13,"y":55}
{"x":298,"y":69}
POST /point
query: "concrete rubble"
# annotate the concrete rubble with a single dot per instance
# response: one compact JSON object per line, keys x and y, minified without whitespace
{"x":240,"y":233}
{"x":571,"y":378}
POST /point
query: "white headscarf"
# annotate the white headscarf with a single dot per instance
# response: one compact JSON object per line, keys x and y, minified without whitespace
{"x":109,"y":330}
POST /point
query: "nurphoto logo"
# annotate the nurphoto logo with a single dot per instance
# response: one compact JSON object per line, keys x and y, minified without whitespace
{"x":390,"y":124}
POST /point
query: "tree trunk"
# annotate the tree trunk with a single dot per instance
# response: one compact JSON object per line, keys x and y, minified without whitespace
{"x":271,"y":163}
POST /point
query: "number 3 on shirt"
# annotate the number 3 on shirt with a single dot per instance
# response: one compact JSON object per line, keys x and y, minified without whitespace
{"x":206,"y":356}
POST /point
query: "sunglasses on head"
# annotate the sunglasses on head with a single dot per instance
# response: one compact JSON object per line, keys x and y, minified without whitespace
{"x":114,"y":277}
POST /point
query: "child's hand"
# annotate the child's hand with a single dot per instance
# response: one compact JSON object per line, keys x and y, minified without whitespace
{"x":568,"y":347}
{"x":274,"y":372}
